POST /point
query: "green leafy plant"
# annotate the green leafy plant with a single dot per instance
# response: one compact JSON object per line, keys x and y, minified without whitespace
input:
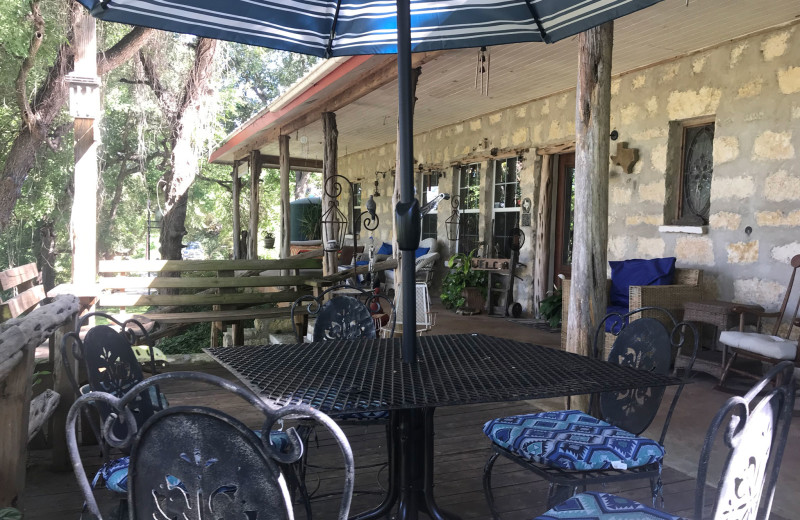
{"x":461,"y":275}
{"x":190,"y":342}
{"x":550,"y":308}
{"x":311,"y":222}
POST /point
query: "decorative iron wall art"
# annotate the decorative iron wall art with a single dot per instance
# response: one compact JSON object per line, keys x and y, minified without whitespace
{"x":452,"y":223}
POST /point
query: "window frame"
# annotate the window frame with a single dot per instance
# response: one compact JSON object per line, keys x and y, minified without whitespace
{"x":463,"y":210}
{"x":681,"y":218}
{"x":514,"y":209}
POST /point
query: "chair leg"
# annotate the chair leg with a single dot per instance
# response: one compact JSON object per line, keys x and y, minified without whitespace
{"x":727,"y":367}
{"x":487,"y":485}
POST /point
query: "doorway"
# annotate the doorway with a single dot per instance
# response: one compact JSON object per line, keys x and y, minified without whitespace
{"x":565,"y":215}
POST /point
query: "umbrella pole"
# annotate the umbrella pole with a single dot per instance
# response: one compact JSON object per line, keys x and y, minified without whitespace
{"x":405,"y":169}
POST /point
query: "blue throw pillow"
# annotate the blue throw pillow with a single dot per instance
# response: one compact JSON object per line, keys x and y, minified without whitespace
{"x":656,"y":271}
{"x":421,"y":251}
{"x":385,"y":249}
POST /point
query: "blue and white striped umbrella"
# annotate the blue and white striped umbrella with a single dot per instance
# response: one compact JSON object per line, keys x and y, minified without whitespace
{"x":338,"y":28}
{"x":331,"y":28}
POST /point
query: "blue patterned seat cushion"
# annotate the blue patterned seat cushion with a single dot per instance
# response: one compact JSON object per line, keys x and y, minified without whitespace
{"x":603,"y":506}
{"x":114,"y":474}
{"x":571,"y":439}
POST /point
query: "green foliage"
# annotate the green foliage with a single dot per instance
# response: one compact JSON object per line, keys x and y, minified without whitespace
{"x":550,"y":308}
{"x":196,"y":338}
{"x":461,"y":275}
{"x":311,"y":222}
{"x":37,"y":378}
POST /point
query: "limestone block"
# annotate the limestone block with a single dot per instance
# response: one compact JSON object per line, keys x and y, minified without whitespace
{"x":652,"y":220}
{"x":504,"y":140}
{"x":521,"y":112}
{"x":693,"y":103}
{"x":651,"y":105}
{"x":743,"y":252}
{"x":670,"y":71}
{"x":495,"y":118}
{"x":561,"y":102}
{"x":771,"y":146}
{"x":789,"y":80}
{"x":475,"y":125}
{"x":775,"y":45}
{"x":545,"y":110}
{"x":726,"y":149}
{"x":653,"y":192}
{"x":766,"y":293}
{"x":630,"y":113}
{"x":778,"y":218}
{"x":725,"y":220}
{"x":781,"y":186}
{"x":639,"y":81}
{"x":658,"y":158}
{"x":458,"y":128}
{"x":736,"y":53}
{"x":784,"y":253}
{"x":796,"y":112}
{"x":618,"y":248}
{"x":733,"y":188}
{"x":520,"y":136}
{"x":650,"y":133}
{"x":620,"y":196}
{"x":754,"y":116}
{"x":537,"y":133}
{"x":699,"y":63}
{"x":650,"y":247}
{"x":751,"y":88}
{"x":694,"y":251}
{"x":556,"y":130}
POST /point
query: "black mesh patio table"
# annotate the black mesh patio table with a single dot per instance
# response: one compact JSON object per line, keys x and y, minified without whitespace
{"x":369,"y":375}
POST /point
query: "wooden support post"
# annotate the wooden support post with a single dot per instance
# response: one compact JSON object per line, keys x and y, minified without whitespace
{"x":255,"y":178}
{"x":587,"y":302}
{"x":237,"y":211}
{"x":329,"y":169}
{"x":542,"y":254}
{"x":286,"y":221}
{"x":15,"y":399}
{"x":64,"y":388}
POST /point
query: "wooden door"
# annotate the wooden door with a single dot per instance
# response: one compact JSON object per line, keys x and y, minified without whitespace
{"x":565,"y":212}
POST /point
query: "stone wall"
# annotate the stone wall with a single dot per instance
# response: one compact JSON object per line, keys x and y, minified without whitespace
{"x":750,"y":88}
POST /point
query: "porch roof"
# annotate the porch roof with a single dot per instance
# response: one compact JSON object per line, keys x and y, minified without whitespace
{"x":362,"y":89}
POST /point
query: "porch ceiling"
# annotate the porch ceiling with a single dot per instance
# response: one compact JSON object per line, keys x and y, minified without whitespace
{"x":519,"y":73}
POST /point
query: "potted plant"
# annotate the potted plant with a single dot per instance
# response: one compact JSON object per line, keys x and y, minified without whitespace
{"x":550,"y":308}
{"x":464,"y":288}
{"x":269,"y":240}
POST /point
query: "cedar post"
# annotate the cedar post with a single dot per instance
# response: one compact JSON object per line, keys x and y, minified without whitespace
{"x":84,"y":107}
{"x":255,"y":178}
{"x":286,"y":229}
{"x":329,"y":169}
{"x":14,"y":414}
{"x":62,"y":385}
{"x":237,"y":213}
{"x":542,"y":254}
{"x":587,"y":302}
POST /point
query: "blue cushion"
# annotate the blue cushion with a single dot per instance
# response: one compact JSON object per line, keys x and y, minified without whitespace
{"x":615,"y":324}
{"x":657,"y":271}
{"x":421,"y":251}
{"x":385,"y":249}
{"x":571,"y":439}
{"x":604,"y":506}
{"x":362,"y":262}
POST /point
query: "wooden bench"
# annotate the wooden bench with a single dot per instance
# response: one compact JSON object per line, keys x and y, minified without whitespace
{"x":228,"y":289}
{"x":27,"y":292}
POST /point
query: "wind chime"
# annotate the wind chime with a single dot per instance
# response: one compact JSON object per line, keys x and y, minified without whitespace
{"x":482,"y":71}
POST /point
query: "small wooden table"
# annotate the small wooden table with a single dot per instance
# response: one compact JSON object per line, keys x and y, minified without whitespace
{"x":713,"y":312}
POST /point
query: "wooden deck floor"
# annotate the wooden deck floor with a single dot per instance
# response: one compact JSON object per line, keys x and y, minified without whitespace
{"x":460,"y":453}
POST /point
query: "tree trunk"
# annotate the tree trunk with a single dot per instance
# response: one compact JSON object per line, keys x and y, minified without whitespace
{"x":47,"y":104}
{"x":237,"y":212}
{"x":543,"y":233}
{"x":300,"y":184}
{"x":331,"y":136}
{"x":47,"y":254}
{"x":286,"y":221}
{"x":255,"y":182}
{"x":587,"y":303}
{"x":184,"y":167}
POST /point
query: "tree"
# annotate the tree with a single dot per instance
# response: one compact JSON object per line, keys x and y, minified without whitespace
{"x":39,"y":112}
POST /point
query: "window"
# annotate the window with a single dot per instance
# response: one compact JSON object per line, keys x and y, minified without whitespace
{"x":697,"y":167}
{"x":507,"y":201}
{"x":469,"y":193}
{"x":356,"y":223}
{"x":430,"y":190}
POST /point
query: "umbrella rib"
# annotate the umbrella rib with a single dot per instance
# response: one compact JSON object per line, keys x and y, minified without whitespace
{"x":329,"y":47}
{"x":532,"y":9}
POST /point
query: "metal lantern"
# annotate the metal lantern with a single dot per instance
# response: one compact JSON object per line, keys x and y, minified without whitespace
{"x":452,"y":224}
{"x":334,"y":222}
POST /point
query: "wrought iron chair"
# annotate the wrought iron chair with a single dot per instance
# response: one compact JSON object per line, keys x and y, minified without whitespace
{"x":426,"y":319}
{"x":608,"y":448}
{"x":755,"y":433}
{"x":772,"y":347}
{"x":197,"y":462}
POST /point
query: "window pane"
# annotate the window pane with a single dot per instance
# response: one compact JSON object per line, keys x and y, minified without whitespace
{"x":429,"y":223}
{"x":468,"y":233}
{"x":357,"y":194}
{"x":470,"y":187}
{"x":504,"y":222}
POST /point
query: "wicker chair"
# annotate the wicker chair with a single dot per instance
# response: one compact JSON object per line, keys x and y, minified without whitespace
{"x":686,"y":288}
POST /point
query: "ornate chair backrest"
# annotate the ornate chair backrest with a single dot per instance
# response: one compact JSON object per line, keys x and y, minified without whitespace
{"x":196,"y":462}
{"x":755,"y":433}
{"x":795,"y":263}
{"x":646,"y":344}
{"x":111,"y":366}
{"x":351,"y":315}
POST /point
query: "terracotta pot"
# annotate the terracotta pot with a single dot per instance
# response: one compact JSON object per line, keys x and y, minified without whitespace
{"x":474,"y":300}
